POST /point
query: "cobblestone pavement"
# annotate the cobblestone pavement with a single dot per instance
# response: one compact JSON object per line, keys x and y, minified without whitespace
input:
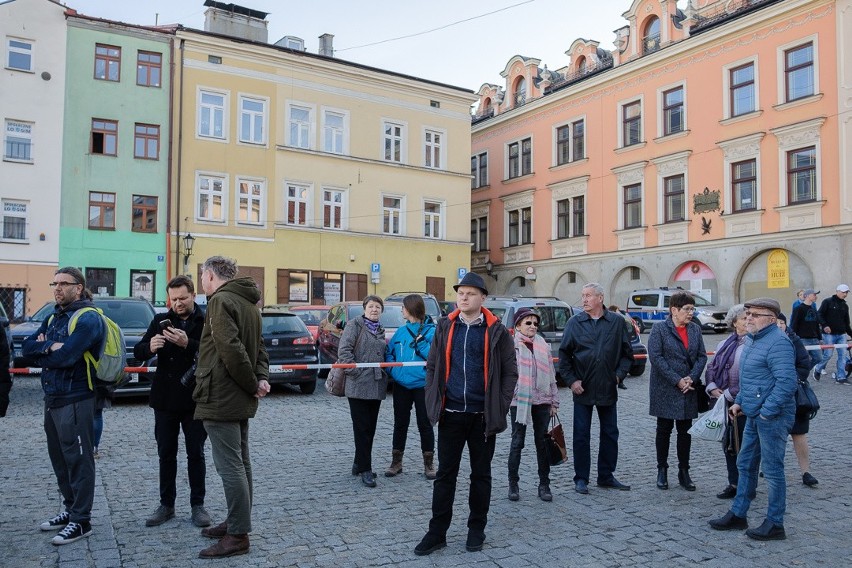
{"x":309,"y":510}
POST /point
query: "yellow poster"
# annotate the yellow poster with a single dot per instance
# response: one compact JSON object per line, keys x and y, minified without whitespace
{"x":778,"y":269}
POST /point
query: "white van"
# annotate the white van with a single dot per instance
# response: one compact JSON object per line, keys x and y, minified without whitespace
{"x":652,"y":305}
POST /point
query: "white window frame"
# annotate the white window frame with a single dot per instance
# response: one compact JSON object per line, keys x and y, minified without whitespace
{"x":403,"y":140}
{"x":343,"y":206}
{"x":239,"y":196}
{"x":439,"y":149}
{"x":264,"y":116}
{"x":344,"y":134}
{"x":519,"y":141}
{"x":312,"y":129}
{"x":619,"y":120}
{"x":660,"y":112}
{"x":16,"y":215}
{"x":741,"y":150}
{"x":570,"y":189}
{"x":29,"y":136}
{"x":10,"y":50}
{"x":400,"y":211}
{"x":795,"y":137}
{"x":308,"y":201}
{"x":519,"y":208}
{"x":226,"y":95}
{"x":554,"y":158}
{"x":669,"y":166}
{"x":199,"y":176}
{"x":434,"y":220}
{"x":780,"y":64}
{"x":727,"y":110}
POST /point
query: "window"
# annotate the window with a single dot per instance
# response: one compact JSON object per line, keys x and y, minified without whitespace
{"x":15,"y":220}
{"x":651,"y":41}
{"x":742,"y":99}
{"x":392,"y":215}
{"x":18,"y":141}
{"x":801,"y":175}
{"x":744,"y":185}
{"x":571,"y":217}
{"x":211,"y":198}
{"x":635,"y":273}
{"x":211,"y":115}
{"x":479,"y":233}
{"x":631,"y":123}
{"x":332,"y":209}
{"x":520,"y":94}
{"x":144,"y":218}
{"x":252,"y":120}
{"x":19,"y":54}
{"x":479,"y":171}
{"x":334,"y":131}
{"x":520,"y":226}
{"x":673,"y":118}
{"x":674,"y":193}
{"x":570,"y":142}
{"x":799,"y":72}
{"x":632,"y":206}
{"x":148,"y":68}
{"x":104,"y":137}
{"x":101,"y":210}
{"x":300,"y":126}
{"x":432,"y":219}
{"x":520,"y":158}
{"x":107,"y":62}
{"x":297,"y":204}
{"x":433,"y":147}
{"x":146,"y":142}
{"x":250,"y":197}
{"x":393,"y":142}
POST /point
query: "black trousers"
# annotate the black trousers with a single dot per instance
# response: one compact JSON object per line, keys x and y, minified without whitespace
{"x":167,"y":427}
{"x":664,"y":437}
{"x":365,"y":416}
{"x":540,"y":414}
{"x":403,"y":399}
{"x":455,"y":430}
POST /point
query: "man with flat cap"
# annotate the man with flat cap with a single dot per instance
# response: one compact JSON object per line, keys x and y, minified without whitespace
{"x":767,"y":398}
{"x":471,"y":374}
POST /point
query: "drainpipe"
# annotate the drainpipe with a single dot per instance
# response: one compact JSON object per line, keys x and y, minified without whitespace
{"x":179,"y":163}
{"x":171,"y":146}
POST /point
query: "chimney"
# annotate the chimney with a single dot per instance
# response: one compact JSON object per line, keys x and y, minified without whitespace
{"x":326,"y":46}
{"x":236,"y":21}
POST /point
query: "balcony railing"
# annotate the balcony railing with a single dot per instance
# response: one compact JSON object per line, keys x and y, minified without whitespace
{"x":651,"y":43}
{"x":726,"y":11}
{"x":589,"y":69}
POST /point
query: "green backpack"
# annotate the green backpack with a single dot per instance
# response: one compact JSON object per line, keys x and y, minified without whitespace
{"x":111,"y":359}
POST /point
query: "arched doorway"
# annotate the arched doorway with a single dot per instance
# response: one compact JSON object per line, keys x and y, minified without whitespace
{"x":628,"y":279}
{"x":569,"y":287}
{"x":698,"y":278}
{"x":518,"y":285}
{"x":753,"y":281}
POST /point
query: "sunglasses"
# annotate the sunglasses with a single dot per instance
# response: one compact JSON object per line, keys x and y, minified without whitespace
{"x":535,"y":323}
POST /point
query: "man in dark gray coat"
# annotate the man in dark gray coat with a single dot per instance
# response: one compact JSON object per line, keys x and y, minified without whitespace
{"x":594,"y":356}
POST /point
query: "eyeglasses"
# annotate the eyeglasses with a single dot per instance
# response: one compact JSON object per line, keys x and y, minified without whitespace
{"x":62,"y":284}
{"x":531,"y":323}
{"x":689,"y":309}
{"x":755,"y":315}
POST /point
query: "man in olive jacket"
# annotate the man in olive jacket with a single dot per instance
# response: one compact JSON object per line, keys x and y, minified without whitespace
{"x":594,"y":357}
{"x":232,"y":373}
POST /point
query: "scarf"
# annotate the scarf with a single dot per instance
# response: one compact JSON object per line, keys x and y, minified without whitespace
{"x":533,"y":355}
{"x":372,"y":326}
{"x":723,"y":370}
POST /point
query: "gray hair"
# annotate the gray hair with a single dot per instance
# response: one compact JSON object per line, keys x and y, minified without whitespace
{"x":596,"y":287}
{"x":221,"y":267}
{"x":735,"y":313}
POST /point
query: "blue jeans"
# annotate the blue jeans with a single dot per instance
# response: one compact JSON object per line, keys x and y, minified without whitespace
{"x":763,"y":441}
{"x":842,"y":354}
{"x":608,"y":445}
{"x":816,"y":354}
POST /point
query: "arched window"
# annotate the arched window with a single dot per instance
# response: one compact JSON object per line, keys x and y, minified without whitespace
{"x":582,"y":62}
{"x":520,"y":93}
{"x":651,"y":39}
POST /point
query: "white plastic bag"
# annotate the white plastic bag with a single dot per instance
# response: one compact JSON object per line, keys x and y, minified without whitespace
{"x":711,"y":425}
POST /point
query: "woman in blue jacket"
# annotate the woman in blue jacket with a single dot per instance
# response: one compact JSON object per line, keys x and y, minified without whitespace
{"x":411,"y":342}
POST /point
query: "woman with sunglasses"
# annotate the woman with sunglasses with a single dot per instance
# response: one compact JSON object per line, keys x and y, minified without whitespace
{"x":677,"y":355}
{"x":536,"y":399}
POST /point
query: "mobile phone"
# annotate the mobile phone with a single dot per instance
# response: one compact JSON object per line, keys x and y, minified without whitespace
{"x":165,"y":324}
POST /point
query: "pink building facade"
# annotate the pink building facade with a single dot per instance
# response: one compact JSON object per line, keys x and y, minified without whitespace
{"x":710,"y":149}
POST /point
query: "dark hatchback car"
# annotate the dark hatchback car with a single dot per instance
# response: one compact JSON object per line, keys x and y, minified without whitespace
{"x":25,"y":329}
{"x":289,"y":342}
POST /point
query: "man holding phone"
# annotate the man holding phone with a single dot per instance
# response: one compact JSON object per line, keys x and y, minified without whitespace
{"x":174,"y":338}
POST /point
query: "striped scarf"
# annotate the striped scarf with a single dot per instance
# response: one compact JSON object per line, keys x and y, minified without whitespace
{"x":533,"y":355}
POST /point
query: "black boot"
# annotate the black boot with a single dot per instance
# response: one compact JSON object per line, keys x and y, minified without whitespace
{"x":684,"y":479}
{"x":662,"y":478}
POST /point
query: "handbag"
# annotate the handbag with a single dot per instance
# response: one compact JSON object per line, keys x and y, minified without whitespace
{"x":711,"y":425}
{"x":732,"y":435}
{"x":335,"y":382}
{"x":806,"y":400}
{"x":702,"y":399}
{"x":554,"y":442}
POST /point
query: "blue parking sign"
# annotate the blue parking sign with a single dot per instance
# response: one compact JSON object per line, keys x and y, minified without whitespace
{"x":462,"y":272}
{"x":375,"y":267}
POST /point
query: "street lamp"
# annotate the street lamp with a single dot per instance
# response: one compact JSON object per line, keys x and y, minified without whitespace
{"x":489,"y":269}
{"x":188,"y":241}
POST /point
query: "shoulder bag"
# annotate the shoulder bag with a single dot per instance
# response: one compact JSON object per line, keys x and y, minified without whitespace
{"x":554,"y":442}
{"x":806,"y":400}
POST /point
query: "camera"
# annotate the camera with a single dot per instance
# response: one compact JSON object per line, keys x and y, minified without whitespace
{"x":188,"y":378}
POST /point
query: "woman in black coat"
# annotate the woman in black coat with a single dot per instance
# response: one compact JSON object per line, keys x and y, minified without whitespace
{"x":677,"y":355}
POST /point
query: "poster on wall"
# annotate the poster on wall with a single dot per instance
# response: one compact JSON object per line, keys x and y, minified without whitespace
{"x":332,"y":292}
{"x":298,"y":286}
{"x":142,"y":284}
{"x":778,"y":269}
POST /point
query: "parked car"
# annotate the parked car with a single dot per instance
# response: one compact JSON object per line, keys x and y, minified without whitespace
{"x":652,"y":305}
{"x":312,"y":316}
{"x":331,"y":328}
{"x":133,"y":316}
{"x":433,"y":308}
{"x":25,"y":329}
{"x":4,"y":328}
{"x":447,"y":307}
{"x":289,"y":342}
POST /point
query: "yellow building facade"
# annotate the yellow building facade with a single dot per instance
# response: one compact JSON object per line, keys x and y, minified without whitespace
{"x":309,"y":170}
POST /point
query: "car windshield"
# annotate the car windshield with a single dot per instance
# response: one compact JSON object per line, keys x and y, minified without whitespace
{"x":127,"y":314}
{"x":311,"y":317}
{"x":274,"y":324}
{"x":391,"y":316}
{"x":43,"y":313}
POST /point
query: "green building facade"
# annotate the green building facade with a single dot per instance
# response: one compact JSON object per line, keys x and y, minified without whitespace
{"x":115,"y":165}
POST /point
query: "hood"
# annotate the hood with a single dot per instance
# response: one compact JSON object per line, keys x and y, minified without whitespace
{"x":243,"y":287}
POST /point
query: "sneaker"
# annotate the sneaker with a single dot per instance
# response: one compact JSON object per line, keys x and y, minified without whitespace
{"x":809,"y":479}
{"x":842,"y":381}
{"x":72,"y":533}
{"x":160,"y":516}
{"x":56,"y":523}
{"x":817,"y":374}
{"x":200,"y":516}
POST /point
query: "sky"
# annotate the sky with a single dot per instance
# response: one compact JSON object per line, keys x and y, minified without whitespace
{"x":466,"y":54}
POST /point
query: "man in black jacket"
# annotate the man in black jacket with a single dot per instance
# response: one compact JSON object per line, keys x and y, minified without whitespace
{"x":174,"y":337}
{"x":594,"y":356}
{"x":834,"y":319}
{"x":804,"y":322}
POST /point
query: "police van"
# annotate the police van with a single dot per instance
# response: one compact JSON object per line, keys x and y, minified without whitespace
{"x":652,"y":305}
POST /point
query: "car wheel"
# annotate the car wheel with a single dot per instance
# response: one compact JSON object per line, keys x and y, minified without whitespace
{"x":641,"y":325}
{"x":636,"y":370}
{"x":308,"y":387}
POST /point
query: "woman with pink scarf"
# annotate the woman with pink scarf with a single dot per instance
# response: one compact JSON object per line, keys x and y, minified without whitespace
{"x":536,"y":400}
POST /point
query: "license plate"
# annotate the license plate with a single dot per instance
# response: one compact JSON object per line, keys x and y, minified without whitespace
{"x":17,"y":352}
{"x":134,"y":378}
{"x":287,"y":370}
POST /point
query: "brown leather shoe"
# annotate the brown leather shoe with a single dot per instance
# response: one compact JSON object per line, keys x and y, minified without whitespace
{"x":230,"y":545}
{"x":216,"y":532}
